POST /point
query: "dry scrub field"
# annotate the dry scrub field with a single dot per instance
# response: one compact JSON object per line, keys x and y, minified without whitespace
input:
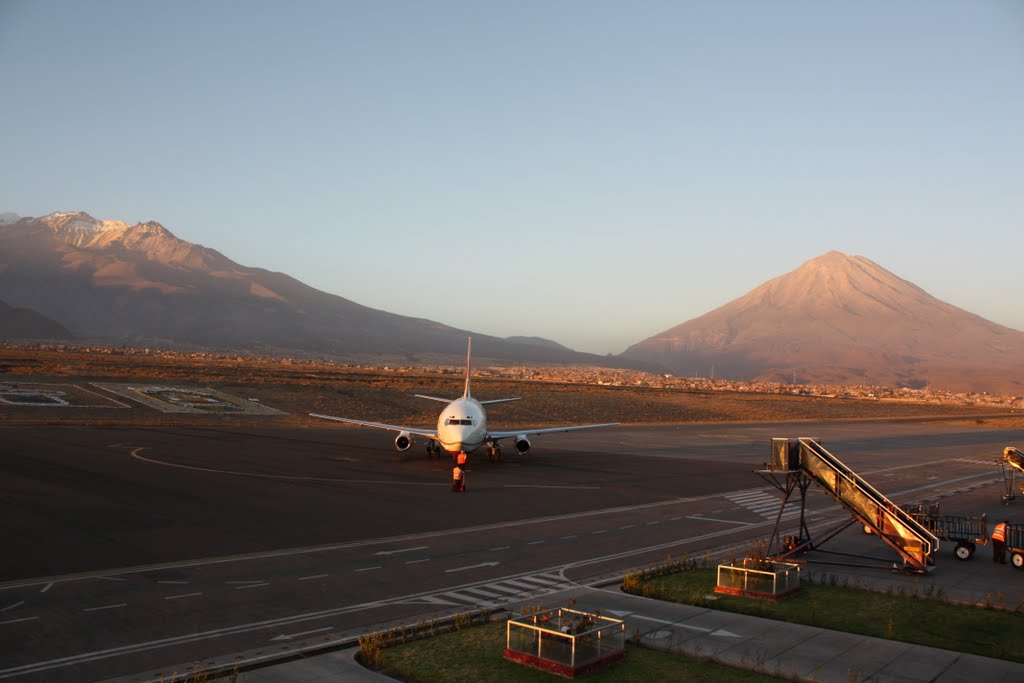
{"x":387,"y":396}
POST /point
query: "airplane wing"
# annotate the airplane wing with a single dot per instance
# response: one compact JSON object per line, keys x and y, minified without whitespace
{"x":483,"y":403}
{"x":433,"y":398}
{"x":494,"y":436}
{"x":415,"y":431}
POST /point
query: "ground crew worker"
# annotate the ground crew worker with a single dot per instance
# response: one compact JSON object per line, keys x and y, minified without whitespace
{"x":999,"y":542}
{"x":458,"y":480}
{"x":460,"y":460}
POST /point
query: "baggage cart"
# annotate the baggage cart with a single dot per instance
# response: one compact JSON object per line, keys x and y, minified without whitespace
{"x":966,"y":532}
{"x":1015,"y":544}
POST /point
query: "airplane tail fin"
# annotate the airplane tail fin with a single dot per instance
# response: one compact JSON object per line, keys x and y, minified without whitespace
{"x":469,"y":354}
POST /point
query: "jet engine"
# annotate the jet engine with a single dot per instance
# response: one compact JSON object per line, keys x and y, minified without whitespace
{"x":521,"y":444}
{"x":403,"y":441}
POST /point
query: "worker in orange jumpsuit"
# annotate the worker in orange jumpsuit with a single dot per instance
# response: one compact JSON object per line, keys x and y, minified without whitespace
{"x":460,"y":459}
{"x":458,"y":479}
{"x":999,"y":542}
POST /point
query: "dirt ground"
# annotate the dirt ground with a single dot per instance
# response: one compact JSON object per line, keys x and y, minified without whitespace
{"x":387,"y":396}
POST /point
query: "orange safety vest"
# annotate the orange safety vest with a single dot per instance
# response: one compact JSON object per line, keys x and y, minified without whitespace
{"x":999,"y":533}
{"x":457,"y":473}
{"x":461,"y":459}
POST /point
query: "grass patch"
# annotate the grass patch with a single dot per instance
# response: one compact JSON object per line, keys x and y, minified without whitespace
{"x":474,"y":655}
{"x":918,"y":617}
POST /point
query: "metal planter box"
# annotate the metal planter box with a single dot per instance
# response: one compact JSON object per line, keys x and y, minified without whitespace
{"x":565,"y":641}
{"x":767,"y":580}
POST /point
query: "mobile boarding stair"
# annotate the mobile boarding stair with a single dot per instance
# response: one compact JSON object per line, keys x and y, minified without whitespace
{"x":796,"y":463}
{"x":1011,"y":464}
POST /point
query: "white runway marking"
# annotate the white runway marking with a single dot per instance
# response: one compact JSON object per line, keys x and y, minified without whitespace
{"x":714,"y":519}
{"x":10,"y":607}
{"x":284,"y":477}
{"x":97,"y":609}
{"x":425,"y":559}
{"x":251,"y":585}
{"x":401,"y":550}
{"x":47,"y":587}
{"x":472,"y":566}
{"x":183,"y":595}
{"x":543,"y":486}
{"x":289,"y":636}
{"x":368,"y":569}
{"x":314,"y":576}
{"x":15,"y":621}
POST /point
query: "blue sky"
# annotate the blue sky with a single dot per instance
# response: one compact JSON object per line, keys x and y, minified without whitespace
{"x":591,"y":172}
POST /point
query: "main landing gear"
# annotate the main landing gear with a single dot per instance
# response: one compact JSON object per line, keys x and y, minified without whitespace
{"x":494,"y":453}
{"x":433,"y":450}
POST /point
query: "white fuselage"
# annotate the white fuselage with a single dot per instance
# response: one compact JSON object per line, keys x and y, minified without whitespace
{"x":462,"y":426}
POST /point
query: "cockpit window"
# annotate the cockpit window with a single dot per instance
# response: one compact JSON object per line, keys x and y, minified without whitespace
{"x":457,"y":421}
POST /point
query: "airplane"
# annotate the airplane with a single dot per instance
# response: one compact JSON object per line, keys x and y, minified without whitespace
{"x":462,"y":426}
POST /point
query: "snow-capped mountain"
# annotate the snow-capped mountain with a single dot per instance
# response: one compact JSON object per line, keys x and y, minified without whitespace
{"x":111,"y":282}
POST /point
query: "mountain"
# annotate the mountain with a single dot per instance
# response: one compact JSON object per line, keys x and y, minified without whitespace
{"x":109,"y":282}
{"x":24,"y":323}
{"x":842,"y":319}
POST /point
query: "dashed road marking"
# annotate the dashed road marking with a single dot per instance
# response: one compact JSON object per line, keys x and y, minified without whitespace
{"x":183,"y":595}
{"x":97,"y":609}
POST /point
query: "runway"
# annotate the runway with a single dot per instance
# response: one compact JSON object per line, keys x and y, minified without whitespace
{"x":134,"y":550}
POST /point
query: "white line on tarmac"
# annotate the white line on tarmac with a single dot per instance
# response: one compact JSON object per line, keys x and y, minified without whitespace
{"x":500,"y":547}
{"x":534,"y":542}
{"x":400,"y":550}
{"x":713,"y":519}
{"x":10,"y":607}
{"x":426,"y":559}
{"x":251,"y":585}
{"x":286,"y":477}
{"x":97,"y":609}
{"x":47,"y":587}
{"x":15,"y":621}
{"x":314,"y":576}
{"x":110,"y":578}
{"x":368,"y":569}
{"x":184,"y":595}
{"x":542,"y":486}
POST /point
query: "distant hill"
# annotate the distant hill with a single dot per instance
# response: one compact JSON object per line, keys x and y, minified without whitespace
{"x":24,"y":323}
{"x":139,"y":284}
{"x":844,"y":320}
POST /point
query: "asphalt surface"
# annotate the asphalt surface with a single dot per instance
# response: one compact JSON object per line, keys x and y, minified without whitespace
{"x":131,"y":552}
